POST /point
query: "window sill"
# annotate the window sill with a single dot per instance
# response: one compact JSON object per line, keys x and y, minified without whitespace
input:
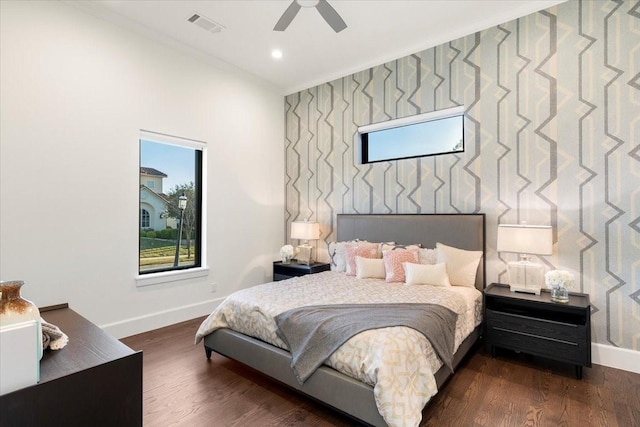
{"x":170,"y":276}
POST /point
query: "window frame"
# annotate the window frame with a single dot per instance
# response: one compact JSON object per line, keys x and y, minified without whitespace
{"x":362,"y":144}
{"x":199,"y":268}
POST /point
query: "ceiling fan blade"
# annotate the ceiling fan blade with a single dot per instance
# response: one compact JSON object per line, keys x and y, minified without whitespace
{"x":287,"y":16}
{"x":331,"y":16}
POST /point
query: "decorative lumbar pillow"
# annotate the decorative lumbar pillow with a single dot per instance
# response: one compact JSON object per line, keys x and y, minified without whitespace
{"x":393,"y":263}
{"x":461,"y":265}
{"x":424,"y":274}
{"x":428,"y":256}
{"x":369,"y":267}
{"x":367,"y":250}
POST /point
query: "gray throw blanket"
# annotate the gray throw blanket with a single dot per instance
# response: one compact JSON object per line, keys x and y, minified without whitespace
{"x":313,"y":333}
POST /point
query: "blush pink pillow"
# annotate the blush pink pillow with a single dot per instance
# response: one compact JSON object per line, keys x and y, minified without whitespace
{"x":393,"y":263}
{"x":364,"y":250}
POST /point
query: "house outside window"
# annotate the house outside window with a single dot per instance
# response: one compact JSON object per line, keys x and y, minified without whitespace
{"x":171,"y":203}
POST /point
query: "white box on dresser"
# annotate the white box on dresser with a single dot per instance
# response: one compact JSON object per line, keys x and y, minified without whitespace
{"x":19,"y":356}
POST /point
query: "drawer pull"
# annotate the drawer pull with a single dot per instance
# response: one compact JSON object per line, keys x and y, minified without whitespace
{"x":502,"y":313}
{"x":535,"y":336}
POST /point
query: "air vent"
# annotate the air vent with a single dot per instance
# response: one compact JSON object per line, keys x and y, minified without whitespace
{"x":205,"y":23}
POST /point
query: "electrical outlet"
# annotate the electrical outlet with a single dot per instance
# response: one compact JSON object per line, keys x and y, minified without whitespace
{"x":214,"y":286}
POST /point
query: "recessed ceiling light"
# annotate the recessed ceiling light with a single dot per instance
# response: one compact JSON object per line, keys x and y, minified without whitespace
{"x":276,"y":53}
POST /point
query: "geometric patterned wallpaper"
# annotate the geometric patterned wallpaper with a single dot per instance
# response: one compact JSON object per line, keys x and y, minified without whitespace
{"x":552,"y":136}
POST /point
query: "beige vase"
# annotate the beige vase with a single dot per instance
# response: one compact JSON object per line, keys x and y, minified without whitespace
{"x":15,"y":309}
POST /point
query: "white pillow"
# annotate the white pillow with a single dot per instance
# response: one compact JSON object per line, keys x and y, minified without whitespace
{"x":370,"y":267}
{"x":461,"y":265}
{"x":428,"y":256}
{"x":338,"y":255}
{"x":423,"y":274}
{"x":390,"y":246}
{"x":382,"y":245}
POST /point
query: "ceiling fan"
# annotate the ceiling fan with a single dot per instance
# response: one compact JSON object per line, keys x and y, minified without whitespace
{"x":324,"y":8}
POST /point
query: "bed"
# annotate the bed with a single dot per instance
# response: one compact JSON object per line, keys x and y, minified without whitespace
{"x":349,"y":394}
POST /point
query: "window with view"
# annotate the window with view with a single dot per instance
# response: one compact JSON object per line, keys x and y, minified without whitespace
{"x":429,"y":134}
{"x":170,"y":211}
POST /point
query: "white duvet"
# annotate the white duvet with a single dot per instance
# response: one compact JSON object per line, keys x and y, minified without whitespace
{"x":398,"y":362}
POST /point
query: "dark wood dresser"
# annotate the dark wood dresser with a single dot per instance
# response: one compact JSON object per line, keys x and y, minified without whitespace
{"x":95,"y":380}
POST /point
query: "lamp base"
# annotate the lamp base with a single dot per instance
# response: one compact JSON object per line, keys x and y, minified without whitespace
{"x":525,"y":276}
{"x":305,"y":254}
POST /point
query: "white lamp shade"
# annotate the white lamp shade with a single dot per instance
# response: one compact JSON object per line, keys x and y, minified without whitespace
{"x":525,"y":239}
{"x":305,"y":230}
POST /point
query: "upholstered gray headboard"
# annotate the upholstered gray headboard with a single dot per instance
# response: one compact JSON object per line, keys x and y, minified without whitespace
{"x":464,"y":231}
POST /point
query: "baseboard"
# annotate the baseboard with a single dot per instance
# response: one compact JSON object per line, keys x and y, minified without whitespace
{"x":615,"y":357}
{"x":149,"y":322}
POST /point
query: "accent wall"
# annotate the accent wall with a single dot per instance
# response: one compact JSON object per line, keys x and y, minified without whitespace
{"x":552,"y":133}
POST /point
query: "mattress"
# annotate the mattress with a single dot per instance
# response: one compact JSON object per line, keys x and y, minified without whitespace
{"x":398,"y":362}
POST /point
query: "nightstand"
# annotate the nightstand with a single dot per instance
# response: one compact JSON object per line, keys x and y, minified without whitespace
{"x":535,"y":325}
{"x":286,"y":271}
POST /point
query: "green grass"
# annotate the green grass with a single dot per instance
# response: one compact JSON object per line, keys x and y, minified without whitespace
{"x":148,"y":243}
{"x":152,"y":248}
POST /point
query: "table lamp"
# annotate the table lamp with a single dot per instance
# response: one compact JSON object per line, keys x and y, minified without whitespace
{"x":526,"y":240}
{"x":305,"y":231}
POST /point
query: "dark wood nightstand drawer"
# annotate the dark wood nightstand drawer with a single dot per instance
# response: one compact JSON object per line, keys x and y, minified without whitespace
{"x":571,"y":352}
{"x":536,"y":326}
{"x":539,"y":337}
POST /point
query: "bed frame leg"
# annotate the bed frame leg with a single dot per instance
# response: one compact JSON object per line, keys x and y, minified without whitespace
{"x":208,"y":352}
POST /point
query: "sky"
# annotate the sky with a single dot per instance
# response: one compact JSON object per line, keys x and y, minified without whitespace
{"x":176,"y":162}
{"x":436,"y":136}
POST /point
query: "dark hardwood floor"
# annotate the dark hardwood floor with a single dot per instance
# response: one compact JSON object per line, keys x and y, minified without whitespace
{"x":182,"y":388}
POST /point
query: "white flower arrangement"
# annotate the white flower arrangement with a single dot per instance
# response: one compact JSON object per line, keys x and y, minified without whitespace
{"x":559,"y":279}
{"x":286,"y":252}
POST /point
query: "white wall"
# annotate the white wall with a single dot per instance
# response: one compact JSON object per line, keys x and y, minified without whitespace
{"x":74,"y":92}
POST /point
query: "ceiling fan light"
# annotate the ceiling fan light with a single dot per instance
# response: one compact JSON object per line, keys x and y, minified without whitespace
{"x":323,"y":7}
{"x":308,"y":3}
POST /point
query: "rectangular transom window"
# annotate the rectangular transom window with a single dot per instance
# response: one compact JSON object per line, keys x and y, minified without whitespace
{"x":429,"y":134}
{"x":170,"y":220}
